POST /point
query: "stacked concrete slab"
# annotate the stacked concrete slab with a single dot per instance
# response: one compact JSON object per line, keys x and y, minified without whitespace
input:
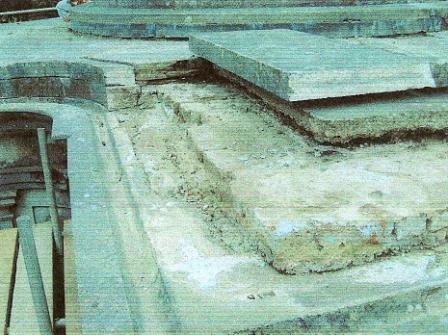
{"x":179,"y":18}
{"x":301,"y":75}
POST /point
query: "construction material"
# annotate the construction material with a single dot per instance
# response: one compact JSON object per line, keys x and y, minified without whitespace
{"x":30,"y":256}
{"x":57,"y":226}
{"x":297,"y":66}
{"x":143,"y":19}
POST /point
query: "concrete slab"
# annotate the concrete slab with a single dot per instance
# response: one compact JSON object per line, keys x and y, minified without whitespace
{"x":117,"y":58}
{"x":413,"y":115}
{"x":8,"y":253}
{"x":158,"y":19}
{"x":416,"y":113}
{"x":296,"y":66}
{"x":24,"y":318}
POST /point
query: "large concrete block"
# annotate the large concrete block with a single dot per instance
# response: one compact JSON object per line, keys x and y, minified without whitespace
{"x":297,"y":66}
{"x":143,"y":19}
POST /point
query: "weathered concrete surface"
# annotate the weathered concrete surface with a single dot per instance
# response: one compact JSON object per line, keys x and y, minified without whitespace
{"x":297,"y":66}
{"x":411,"y":114}
{"x":151,"y":19}
{"x":370,"y":118}
{"x":310,"y":207}
{"x":8,"y":251}
{"x":217,"y":288}
{"x":64,"y":56}
{"x":57,"y":79}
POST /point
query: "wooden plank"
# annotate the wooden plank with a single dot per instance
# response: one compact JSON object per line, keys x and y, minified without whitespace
{"x":8,"y":248}
{"x":24,"y":318}
{"x":72,"y":315}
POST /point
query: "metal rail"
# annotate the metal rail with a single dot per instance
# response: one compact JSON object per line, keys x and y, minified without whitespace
{"x":56,"y":225}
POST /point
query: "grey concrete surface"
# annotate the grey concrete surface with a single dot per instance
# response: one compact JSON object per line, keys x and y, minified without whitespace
{"x":297,"y":66}
{"x":152,"y":19}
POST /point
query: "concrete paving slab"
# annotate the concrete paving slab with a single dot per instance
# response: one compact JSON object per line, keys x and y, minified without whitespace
{"x":297,"y":66}
{"x":8,"y":253}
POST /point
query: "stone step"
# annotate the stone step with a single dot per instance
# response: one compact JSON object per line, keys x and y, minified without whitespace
{"x":296,"y":66}
{"x":340,"y":21}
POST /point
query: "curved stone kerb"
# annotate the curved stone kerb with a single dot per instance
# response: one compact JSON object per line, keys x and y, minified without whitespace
{"x":53,"y":79}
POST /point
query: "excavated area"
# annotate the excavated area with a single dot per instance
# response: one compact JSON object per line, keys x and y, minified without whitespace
{"x":209,"y":212}
{"x":229,"y":194}
{"x":265,"y":188}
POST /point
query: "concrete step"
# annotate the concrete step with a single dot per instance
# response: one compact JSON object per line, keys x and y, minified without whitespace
{"x":344,"y":120}
{"x":339,"y":21}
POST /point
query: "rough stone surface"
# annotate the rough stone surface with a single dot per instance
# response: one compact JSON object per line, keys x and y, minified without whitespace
{"x":154,"y":19}
{"x":297,"y":66}
{"x":315,"y":208}
{"x":413,"y":114}
{"x":120,"y":97}
{"x":231,"y":289}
